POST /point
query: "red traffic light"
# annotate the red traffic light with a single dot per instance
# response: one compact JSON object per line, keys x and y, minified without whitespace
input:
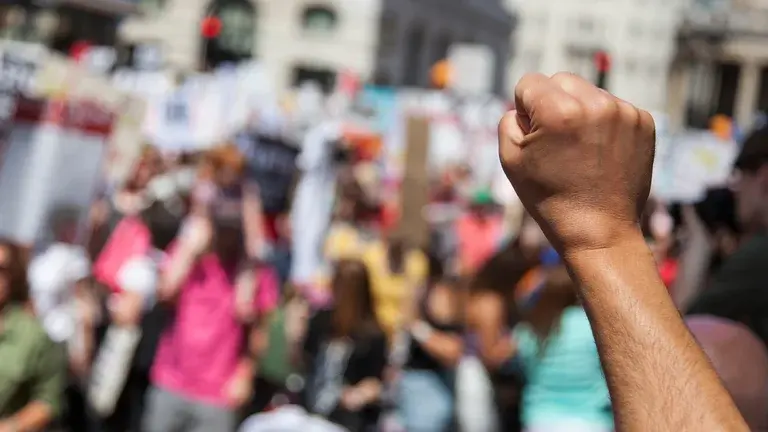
{"x":210,"y":27}
{"x":602,"y":61}
{"x":79,"y":50}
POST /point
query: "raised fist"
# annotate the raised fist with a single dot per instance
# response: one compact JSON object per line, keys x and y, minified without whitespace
{"x":579,"y":158}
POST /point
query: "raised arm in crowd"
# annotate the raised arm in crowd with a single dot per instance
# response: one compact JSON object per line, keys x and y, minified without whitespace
{"x":581,"y":162}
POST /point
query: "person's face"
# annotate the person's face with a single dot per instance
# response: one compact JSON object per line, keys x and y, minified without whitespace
{"x":751,"y":191}
{"x":5,"y":276}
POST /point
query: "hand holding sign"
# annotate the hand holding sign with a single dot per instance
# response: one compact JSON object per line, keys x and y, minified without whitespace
{"x":579,"y":158}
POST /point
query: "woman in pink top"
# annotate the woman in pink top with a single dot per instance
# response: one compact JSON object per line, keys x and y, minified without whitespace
{"x":203,"y":369}
{"x":479,"y":233}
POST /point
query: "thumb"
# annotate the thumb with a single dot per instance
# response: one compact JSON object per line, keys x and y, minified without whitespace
{"x":513,"y":128}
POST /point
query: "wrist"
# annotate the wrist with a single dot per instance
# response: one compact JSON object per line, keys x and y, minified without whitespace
{"x":629,"y":239}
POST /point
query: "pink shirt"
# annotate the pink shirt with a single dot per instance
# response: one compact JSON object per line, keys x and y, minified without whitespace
{"x":201,"y":349}
{"x":478,"y":240}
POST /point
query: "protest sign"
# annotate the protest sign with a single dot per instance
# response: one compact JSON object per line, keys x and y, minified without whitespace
{"x":696,"y":162}
{"x":272,"y":165}
{"x":51,"y":160}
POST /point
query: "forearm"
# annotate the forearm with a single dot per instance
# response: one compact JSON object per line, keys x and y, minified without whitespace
{"x":444,"y":347}
{"x":650,"y":360}
{"x":36,"y":416}
{"x":178,"y":271}
{"x":368,"y":390}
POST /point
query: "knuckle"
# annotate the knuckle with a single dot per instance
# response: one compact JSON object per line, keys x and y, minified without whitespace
{"x":604,"y":108}
{"x":570,"y":112}
{"x":630,"y":115}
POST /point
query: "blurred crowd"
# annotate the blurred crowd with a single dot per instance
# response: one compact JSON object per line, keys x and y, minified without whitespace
{"x":193,"y":308}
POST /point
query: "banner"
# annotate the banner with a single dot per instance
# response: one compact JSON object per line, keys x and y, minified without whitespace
{"x":51,"y":161}
{"x":272,"y":165}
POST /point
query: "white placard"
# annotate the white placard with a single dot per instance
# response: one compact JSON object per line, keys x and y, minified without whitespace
{"x":696,"y":161}
{"x":472,"y":69}
{"x":51,"y":159}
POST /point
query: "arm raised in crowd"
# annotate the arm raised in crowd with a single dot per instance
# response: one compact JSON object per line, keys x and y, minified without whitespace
{"x":581,"y":162}
{"x":194,"y":240}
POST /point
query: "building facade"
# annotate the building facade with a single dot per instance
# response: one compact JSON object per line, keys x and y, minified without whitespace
{"x":387,"y":41}
{"x":60,"y":24}
{"x":721,"y":66}
{"x":639,"y":36}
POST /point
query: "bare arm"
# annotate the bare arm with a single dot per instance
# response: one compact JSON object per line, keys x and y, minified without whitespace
{"x":486,"y":319}
{"x":36,"y":416}
{"x":176,"y":274}
{"x":651,"y":361}
{"x":446,"y":348}
{"x":581,"y":161}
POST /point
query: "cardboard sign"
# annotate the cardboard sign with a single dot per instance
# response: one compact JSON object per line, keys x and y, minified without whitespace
{"x":272,"y":165}
{"x":51,"y":160}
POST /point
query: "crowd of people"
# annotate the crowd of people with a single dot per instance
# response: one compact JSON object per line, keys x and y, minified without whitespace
{"x":191,"y":308}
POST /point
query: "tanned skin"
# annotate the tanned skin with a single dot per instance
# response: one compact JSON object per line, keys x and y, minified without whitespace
{"x":581,"y":162}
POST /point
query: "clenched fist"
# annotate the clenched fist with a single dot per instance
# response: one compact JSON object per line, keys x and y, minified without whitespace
{"x":579,"y":158}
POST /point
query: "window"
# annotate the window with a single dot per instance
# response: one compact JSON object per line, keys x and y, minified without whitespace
{"x":388,"y":33}
{"x":28,"y":26}
{"x":413,"y":65}
{"x":152,"y":7}
{"x":236,"y":37}
{"x":319,"y":19}
{"x":585,"y":25}
{"x":237,"y":28}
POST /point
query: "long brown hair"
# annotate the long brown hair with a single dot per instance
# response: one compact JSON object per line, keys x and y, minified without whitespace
{"x":353,"y":312}
{"x":16,"y":272}
{"x":557,"y":293}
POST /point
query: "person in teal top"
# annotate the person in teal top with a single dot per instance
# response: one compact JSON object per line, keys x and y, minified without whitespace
{"x":565,"y":389}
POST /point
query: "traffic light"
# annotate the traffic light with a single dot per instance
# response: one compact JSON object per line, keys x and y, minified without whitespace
{"x":603,"y":66}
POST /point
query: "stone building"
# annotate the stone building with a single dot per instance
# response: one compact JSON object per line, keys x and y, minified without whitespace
{"x":721,"y":65}
{"x":60,"y":24}
{"x":387,"y":41}
{"x":639,"y":36}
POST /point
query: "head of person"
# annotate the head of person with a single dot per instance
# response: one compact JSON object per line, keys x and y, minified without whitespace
{"x":64,"y":224}
{"x":353,"y":310}
{"x":224,"y":165}
{"x":741,"y":361}
{"x":542,"y":295}
{"x":163,"y":224}
{"x":148,"y":166}
{"x":501,"y":273}
{"x":13,"y":274}
{"x":751,"y":182}
{"x":482,"y":204}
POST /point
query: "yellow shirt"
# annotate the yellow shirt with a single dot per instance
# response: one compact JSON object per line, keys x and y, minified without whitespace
{"x":343,"y":242}
{"x":392,"y":291}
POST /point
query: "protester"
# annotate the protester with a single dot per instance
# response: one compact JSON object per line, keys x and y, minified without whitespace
{"x":436,"y":345}
{"x":490,"y":316}
{"x":397,"y":272}
{"x":741,"y":361}
{"x":479,"y":233}
{"x":345,"y":353}
{"x":588,"y":197}
{"x":33,"y":368}
{"x":564,"y":385}
{"x":203,"y":371}
{"x":737,"y":291}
